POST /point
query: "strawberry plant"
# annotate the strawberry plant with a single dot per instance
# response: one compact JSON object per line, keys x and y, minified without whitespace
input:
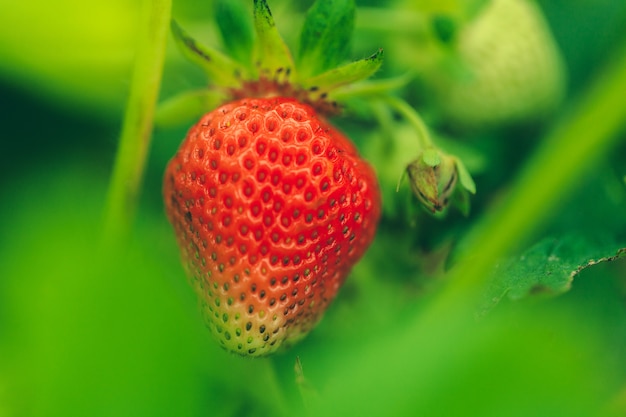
{"x":436,"y":229}
{"x":272,"y":206}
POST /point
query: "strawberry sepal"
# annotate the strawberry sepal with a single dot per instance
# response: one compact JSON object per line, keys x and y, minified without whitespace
{"x":220,"y":68}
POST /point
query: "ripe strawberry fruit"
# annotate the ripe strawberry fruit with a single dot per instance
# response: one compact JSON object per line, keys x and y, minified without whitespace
{"x":272,"y":207}
{"x":270,"y":204}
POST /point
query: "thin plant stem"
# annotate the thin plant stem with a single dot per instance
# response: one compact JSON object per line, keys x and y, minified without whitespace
{"x":134,"y":143}
{"x":269,"y":386}
{"x":409,"y":113}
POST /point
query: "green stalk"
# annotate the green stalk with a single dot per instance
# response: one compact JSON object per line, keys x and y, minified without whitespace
{"x":411,"y":116}
{"x":569,"y":150}
{"x":134,"y":144}
{"x":268,"y":387}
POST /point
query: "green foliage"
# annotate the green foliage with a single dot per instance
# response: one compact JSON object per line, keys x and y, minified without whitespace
{"x":219,"y":68}
{"x":326,"y":35}
{"x":346,"y":74}
{"x":233,"y":21}
{"x":87,"y":332}
{"x":187,"y":107}
{"x":271,"y":54}
{"x":508,"y":365}
{"x":549,"y":267}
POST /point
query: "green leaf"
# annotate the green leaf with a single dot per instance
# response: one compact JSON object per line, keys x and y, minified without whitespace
{"x":186,"y":107}
{"x":344,"y":75}
{"x":326,"y":34}
{"x":464,"y":177}
{"x":235,"y":25}
{"x":271,"y":54}
{"x":376,"y":87}
{"x":220,"y":69}
{"x":548,"y":267}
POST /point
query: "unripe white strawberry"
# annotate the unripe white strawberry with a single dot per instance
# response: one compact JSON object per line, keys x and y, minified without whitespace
{"x":505,"y":68}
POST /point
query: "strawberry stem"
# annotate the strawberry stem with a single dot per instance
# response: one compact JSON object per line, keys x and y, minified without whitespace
{"x":409,"y":113}
{"x":136,"y":132}
{"x":269,"y":385}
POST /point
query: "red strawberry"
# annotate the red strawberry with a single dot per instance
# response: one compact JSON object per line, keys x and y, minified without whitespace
{"x":272,"y":207}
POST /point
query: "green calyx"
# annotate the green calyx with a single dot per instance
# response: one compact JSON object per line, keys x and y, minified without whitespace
{"x":271,"y":56}
{"x":219,"y":67}
{"x":255,"y":61}
{"x":258,"y":63}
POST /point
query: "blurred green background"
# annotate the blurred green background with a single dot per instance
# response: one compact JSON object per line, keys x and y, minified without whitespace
{"x":82,"y":334}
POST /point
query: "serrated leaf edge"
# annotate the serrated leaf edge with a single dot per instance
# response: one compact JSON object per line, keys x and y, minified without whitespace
{"x":621,"y":253}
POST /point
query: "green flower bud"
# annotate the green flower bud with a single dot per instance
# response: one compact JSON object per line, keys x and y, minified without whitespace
{"x":433,"y":177}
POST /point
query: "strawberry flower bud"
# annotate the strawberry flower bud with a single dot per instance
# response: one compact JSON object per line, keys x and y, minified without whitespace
{"x":435,"y":178}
